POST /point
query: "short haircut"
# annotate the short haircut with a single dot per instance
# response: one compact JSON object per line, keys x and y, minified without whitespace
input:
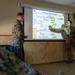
{"x":70,"y":21}
{"x":20,"y":14}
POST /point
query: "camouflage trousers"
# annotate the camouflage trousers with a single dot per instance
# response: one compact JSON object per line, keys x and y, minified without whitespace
{"x":69,"y":44}
{"x":19,"y":52}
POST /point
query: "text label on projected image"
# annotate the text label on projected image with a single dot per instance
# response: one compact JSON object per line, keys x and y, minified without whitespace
{"x":41,"y":22}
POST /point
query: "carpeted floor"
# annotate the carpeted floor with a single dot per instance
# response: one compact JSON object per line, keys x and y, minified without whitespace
{"x":54,"y":68}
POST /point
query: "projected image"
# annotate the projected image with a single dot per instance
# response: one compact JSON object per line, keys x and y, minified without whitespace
{"x":41,"y":22}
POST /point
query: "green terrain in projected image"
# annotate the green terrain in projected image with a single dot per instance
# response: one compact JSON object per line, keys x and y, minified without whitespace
{"x":53,"y":24}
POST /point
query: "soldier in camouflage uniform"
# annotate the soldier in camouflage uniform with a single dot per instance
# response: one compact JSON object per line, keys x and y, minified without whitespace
{"x":66,"y":31}
{"x":9,"y":65}
{"x":18,"y":36}
{"x":72,"y":36}
{"x":17,"y":41}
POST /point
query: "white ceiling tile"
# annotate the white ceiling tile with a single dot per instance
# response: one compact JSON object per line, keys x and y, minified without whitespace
{"x":62,"y":2}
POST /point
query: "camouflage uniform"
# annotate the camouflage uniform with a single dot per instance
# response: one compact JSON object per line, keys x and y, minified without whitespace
{"x":72,"y":36}
{"x":18,"y":39}
{"x":9,"y":65}
{"x":66,"y":31}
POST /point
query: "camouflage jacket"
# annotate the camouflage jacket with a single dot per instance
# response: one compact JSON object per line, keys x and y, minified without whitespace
{"x":9,"y":65}
{"x":18,"y":34}
{"x":72,"y":33}
{"x":64,"y":30}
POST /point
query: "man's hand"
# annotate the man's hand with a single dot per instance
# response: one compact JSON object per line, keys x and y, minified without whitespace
{"x":50,"y":27}
{"x":70,"y":36}
{"x":25,"y":36}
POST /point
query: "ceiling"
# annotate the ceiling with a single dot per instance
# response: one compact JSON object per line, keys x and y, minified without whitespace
{"x":62,"y":2}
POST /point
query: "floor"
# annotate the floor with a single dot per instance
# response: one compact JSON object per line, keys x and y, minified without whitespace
{"x":55,"y":68}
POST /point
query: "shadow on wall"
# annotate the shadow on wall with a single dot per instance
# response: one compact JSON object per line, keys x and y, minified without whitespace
{"x":8,"y":13}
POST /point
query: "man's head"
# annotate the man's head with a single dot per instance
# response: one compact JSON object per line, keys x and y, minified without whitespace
{"x":20,"y":16}
{"x":69,"y":22}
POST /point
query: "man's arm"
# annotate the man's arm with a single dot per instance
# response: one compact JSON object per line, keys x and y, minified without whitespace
{"x":57,"y":30}
{"x":16,"y":29}
{"x":67,"y":30}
